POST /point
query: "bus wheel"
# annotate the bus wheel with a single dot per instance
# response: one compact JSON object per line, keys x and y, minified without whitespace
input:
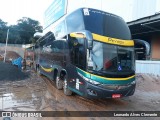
{"x":39,"y":71}
{"x":59,"y":83}
{"x":35,"y":66}
{"x":65,"y":89}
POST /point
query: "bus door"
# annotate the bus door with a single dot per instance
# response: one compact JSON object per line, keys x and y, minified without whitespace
{"x":78,"y":58}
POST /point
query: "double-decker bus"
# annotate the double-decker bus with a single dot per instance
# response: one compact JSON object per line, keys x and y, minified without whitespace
{"x":90,"y":53}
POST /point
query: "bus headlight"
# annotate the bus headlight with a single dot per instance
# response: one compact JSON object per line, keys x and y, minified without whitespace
{"x":95,"y":82}
{"x":89,"y":80}
{"x":92,"y":81}
{"x":134,"y":82}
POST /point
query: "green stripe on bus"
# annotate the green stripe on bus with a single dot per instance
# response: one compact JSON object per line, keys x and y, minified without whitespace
{"x":106,"y":80}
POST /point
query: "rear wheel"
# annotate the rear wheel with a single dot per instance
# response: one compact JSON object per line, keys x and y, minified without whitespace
{"x":59,"y":83}
{"x":38,"y":71}
{"x":35,"y":65}
{"x":65,"y":88}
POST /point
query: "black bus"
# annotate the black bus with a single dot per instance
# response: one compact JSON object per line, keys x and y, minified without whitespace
{"x":89,"y":53}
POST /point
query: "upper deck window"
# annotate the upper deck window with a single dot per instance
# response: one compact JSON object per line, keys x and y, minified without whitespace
{"x":107,"y":24}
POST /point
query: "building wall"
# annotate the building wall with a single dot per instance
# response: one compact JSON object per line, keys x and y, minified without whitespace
{"x":143,"y":8}
{"x":155,"y":49}
{"x":151,"y":67}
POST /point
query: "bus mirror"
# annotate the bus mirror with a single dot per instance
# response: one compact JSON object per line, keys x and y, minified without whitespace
{"x":84,"y":34}
{"x":142,"y":49}
{"x":89,"y":38}
{"x":143,"y":43}
{"x":90,"y":44}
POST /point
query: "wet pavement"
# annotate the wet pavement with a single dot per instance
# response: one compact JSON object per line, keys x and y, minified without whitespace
{"x":37,"y":93}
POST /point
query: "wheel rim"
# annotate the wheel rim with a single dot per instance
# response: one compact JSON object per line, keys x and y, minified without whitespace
{"x":57,"y":81}
{"x":38,"y":70}
{"x":65,"y":84}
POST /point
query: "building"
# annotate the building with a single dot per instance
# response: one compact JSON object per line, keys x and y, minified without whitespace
{"x":148,"y":29}
{"x":143,"y":8}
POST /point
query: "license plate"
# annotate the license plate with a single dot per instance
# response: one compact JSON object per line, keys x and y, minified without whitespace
{"x":116,"y":95}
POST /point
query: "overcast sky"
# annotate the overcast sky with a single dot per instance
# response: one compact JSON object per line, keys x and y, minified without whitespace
{"x":12,"y":10}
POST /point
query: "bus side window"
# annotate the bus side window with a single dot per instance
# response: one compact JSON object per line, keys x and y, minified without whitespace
{"x":42,"y":44}
{"x":58,"y":46}
{"x":77,"y":52}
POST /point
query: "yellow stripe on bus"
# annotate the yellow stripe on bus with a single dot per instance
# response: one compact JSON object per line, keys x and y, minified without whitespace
{"x":106,"y":78}
{"x":114,"y":41}
{"x":106,"y":39}
{"x":78,"y":35}
{"x":47,"y":69}
{"x":114,"y":78}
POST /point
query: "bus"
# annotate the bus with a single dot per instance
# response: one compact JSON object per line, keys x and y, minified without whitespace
{"x":90,"y":53}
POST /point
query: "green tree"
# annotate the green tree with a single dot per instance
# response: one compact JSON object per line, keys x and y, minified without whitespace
{"x":22,"y":33}
{"x":3,"y":31}
{"x":27,"y":27}
{"x":14,"y":36}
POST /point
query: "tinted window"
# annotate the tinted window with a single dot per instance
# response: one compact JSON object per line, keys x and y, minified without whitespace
{"x":77,"y":52}
{"x":42,"y":44}
{"x":107,"y":24}
{"x":75,"y":22}
{"x":111,"y":58}
{"x":55,"y":46}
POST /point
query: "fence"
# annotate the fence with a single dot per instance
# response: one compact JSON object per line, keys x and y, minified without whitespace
{"x":152,"y":67}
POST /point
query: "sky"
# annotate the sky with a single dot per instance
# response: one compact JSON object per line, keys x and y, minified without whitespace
{"x":12,"y":10}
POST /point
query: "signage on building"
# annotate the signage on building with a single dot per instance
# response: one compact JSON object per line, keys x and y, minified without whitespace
{"x":54,"y":12}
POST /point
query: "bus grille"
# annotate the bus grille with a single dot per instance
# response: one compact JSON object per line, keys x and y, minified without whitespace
{"x":114,"y":87}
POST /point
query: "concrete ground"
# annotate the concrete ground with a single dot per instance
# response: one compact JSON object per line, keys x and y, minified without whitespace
{"x":31,"y":92}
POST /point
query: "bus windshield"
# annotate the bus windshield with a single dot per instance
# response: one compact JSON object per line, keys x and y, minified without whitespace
{"x":111,"y":58}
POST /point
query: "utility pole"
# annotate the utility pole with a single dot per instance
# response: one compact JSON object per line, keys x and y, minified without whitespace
{"x":6,"y":46}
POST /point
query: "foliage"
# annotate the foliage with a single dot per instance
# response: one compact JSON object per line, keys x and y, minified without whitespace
{"x":3,"y":30}
{"x":21,"y":33}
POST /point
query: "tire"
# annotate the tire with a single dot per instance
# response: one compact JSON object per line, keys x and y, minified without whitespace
{"x":59,"y":83}
{"x":35,"y":66}
{"x":65,"y":89}
{"x":39,"y":71}
{"x":31,"y":66}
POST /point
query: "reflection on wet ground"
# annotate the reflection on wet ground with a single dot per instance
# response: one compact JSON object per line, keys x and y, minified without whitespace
{"x":22,"y":95}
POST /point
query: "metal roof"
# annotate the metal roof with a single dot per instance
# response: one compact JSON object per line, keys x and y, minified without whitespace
{"x":145,"y":28}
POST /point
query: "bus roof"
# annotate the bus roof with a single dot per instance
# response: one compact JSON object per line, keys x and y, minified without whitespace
{"x":95,"y":21}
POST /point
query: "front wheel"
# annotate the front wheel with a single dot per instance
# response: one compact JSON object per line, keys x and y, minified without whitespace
{"x":65,"y":89}
{"x":59,"y":83}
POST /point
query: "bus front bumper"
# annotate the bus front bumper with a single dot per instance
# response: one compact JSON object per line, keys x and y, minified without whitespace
{"x":95,"y":91}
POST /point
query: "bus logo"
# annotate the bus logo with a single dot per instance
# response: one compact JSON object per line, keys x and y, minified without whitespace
{"x":86,"y":11}
{"x":119,"y":68}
